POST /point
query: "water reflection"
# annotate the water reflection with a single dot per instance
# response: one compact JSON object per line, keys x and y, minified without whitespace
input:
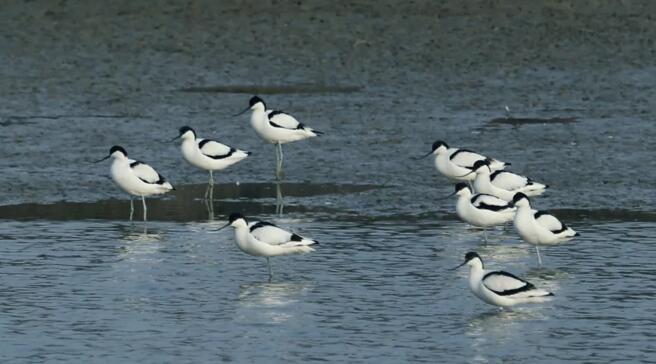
{"x":546,"y":278}
{"x":138,"y":241}
{"x":498,"y":322}
{"x":279,"y":200}
{"x":498,"y":327}
{"x":183,"y":205}
{"x":271,"y":302}
{"x":209,"y":202}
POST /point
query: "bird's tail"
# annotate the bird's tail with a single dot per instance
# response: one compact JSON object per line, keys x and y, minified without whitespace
{"x":535,"y":296}
{"x":534,"y":188}
{"x":570,"y":233}
{"x":298,"y":249}
{"x":241,"y":154}
{"x":313,"y":132}
{"x":301,"y":246}
{"x":166,"y":186}
{"x":497,"y":165}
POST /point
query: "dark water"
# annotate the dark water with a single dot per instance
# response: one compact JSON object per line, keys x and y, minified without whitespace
{"x":80,"y":283}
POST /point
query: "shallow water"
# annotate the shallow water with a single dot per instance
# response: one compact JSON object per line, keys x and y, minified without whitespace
{"x":373,"y":291}
{"x":80,"y":283}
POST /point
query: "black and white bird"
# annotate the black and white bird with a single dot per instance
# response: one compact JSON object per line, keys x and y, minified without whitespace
{"x":208,"y":154}
{"x":456,"y":164}
{"x":135,"y":177}
{"x":277,"y":127}
{"x":539,"y":227}
{"x":482,"y":210}
{"x":500,"y":288}
{"x":264,"y":239}
{"x":503,"y":184}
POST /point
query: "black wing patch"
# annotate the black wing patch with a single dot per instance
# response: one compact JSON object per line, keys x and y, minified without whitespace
{"x":260,"y":224}
{"x":496,"y":173}
{"x":271,"y":115}
{"x":486,"y":206}
{"x":540,"y":213}
{"x":205,"y":141}
{"x":461,"y":151}
{"x":160,"y":180}
{"x":526,"y":287}
{"x":134,"y":164}
{"x":296,"y":237}
{"x":300,"y":126}
{"x":563,"y":227}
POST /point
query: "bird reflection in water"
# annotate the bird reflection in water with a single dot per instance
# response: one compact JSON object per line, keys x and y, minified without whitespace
{"x":209,"y":202}
{"x":499,"y":326}
{"x":279,"y":200}
{"x":272,"y":302}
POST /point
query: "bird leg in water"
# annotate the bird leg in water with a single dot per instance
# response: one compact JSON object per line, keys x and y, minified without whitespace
{"x":279,"y":159}
{"x":145,"y":210}
{"x":131,"y":207}
{"x":210,"y":187}
{"x":209,"y":202}
{"x":539,"y":259}
{"x":279,"y":200}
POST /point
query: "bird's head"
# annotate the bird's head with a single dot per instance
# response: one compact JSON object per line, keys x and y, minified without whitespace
{"x":186,"y":132}
{"x":520,"y":200}
{"x":236,"y":220}
{"x":114,"y":152}
{"x":472,"y":259}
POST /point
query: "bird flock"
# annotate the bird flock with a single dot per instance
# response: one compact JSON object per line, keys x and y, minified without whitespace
{"x":488,"y":195}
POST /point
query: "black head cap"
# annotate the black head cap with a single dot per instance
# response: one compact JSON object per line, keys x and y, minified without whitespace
{"x":117,"y":148}
{"x":185,"y":129}
{"x":471,"y":255}
{"x":483,"y":162}
{"x":439,"y":143}
{"x":518,"y":196}
{"x":254,"y":100}
{"x":460,"y":186}
{"x":235,"y":216}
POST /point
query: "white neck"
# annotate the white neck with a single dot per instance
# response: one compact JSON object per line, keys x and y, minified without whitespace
{"x":241,"y":235}
{"x":482,"y":181}
{"x":524,"y":208}
{"x":476,"y":273}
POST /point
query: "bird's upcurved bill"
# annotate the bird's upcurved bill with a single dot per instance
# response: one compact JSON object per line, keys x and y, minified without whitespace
{"x":424,"y":156}
{"x":246,"y":109}
{"x":223,"y":227}
{"x":170,"y":140}
{"x":100,"y":160}
{"x":445,"y":197}
{"x":463,"y":263}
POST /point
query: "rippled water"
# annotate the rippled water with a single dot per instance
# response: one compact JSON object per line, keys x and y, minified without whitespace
{"x":374,"y":291}
{"x":80,"y":283}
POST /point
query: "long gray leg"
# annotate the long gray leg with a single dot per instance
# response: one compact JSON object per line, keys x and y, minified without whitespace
{"x":282,"y":157}
{"x":485,"y":234}
{"x":278,"y":161}
{"x":539,"y":259}
{"x":279,"y":200}
{"x":145,"y":210}
{"x":131,"y":207}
